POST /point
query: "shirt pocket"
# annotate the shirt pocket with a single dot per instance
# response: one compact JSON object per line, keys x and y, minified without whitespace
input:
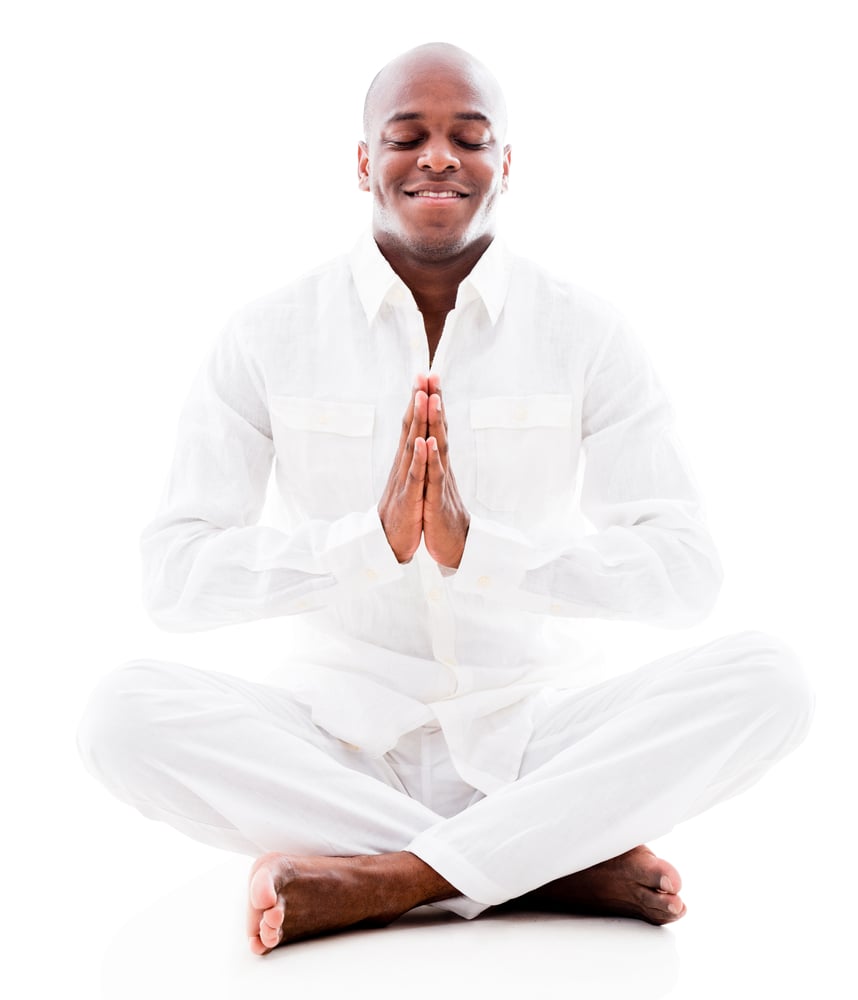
{"x":324,"y":454}
{"x":525,"y":450}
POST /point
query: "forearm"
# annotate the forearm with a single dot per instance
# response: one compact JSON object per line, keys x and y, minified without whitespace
{"x":197,"y":576}
{"x":663,"y":572}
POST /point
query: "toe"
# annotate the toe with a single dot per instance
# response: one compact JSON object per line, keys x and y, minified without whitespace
{"x":664,"y":907}
{"x":674,"y":913}
{"x":263,"y":895}
{"x":659,"y":907}
{"x":274,"y":917}
{"x":256,"y":946}
{"x":654,"y":872}
{"x":671,"y":875}
{"x":269,"y":936}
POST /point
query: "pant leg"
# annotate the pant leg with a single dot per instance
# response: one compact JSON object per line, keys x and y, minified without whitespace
{"x":619,"y":764}
{"x":242,"y":766}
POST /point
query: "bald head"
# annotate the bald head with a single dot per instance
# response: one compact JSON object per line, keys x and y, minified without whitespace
{"x":394,"y":79}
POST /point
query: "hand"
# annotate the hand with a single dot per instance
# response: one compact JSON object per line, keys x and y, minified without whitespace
{"x":445,"y":519}
{"x":401,"y":506}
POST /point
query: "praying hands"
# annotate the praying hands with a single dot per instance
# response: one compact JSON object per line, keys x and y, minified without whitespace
{"x":421,"y":496}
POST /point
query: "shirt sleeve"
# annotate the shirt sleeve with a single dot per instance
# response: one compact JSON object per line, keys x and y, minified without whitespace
{"x":206,"y":560}
{"x":649,"y":556}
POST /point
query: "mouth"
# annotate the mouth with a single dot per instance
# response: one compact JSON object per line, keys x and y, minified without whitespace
{"x":436,"y":194}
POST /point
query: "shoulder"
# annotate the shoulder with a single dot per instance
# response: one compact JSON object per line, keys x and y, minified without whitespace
{"x":574,"y":318}
{"x":303,"y":293}
{"x":292,"y":312}
{"x":563,"y":297}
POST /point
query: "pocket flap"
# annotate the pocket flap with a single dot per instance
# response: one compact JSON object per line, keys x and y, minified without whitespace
{"x":521,"y":411}
{"x":349,"y":419}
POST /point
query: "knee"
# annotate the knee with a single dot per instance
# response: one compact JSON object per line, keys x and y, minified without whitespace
{"x":774,"y":684}
{"x":116,"y":724}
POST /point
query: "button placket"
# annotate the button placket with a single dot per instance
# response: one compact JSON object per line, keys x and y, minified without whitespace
{"x":441,"y":620}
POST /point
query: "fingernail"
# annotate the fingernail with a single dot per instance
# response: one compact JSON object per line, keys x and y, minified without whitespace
{"x":666,"y":884}
{"x":437,"y":404}
{"x":434,"y":445}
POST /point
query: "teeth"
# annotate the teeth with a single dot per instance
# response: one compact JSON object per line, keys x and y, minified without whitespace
{"x":437,"y":194}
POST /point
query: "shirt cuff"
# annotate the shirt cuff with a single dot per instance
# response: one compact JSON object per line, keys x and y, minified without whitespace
{"x":358,"y":554}
{"x":494,"y":561}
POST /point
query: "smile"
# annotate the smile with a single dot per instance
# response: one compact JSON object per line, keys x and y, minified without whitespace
{"x":435,"y":194}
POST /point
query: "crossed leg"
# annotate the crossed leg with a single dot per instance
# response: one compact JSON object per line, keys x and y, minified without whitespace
{"x":339,"y":844}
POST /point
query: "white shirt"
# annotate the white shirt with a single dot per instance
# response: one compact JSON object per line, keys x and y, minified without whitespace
{"x":562,"y":447}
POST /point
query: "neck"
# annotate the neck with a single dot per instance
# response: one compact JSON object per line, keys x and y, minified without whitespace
{"x":434,"y":283}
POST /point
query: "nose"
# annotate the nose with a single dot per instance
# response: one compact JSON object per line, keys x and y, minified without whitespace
{"x":437,"y":156}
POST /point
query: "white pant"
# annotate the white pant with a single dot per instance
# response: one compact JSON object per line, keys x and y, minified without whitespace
{"x":242,"y":766}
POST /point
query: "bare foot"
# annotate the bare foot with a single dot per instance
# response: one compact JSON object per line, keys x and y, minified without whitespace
{"x":635,"y":884}
{"x":292,"y":898}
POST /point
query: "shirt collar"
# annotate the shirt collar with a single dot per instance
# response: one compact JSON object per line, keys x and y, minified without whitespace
{"x":376,"y":281}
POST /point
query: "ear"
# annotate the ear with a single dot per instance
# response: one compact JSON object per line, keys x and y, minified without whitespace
{"x":363,"y":166}
{"x":507,"y":159}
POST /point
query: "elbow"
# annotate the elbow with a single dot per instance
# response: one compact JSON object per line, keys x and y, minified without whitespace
{"x":167,"y":591}
{"x":165,"y":609}
{"x":695,"y":591}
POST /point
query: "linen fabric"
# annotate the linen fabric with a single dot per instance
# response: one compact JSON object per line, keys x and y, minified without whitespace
{"x":562,"y":445}
{"x":242,"y":766}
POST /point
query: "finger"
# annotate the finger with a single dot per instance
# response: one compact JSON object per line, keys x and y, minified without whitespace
{"x":416,"y":429}
{"x":420,"y":382}
{"x":434,"y":472}
{"x":416,"y":476}
{"x":437,"y":425}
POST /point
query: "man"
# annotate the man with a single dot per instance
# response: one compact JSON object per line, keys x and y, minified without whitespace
{"x":431,"y":744}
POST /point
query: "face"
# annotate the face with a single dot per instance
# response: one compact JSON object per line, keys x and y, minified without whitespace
{"x":434,"y":160}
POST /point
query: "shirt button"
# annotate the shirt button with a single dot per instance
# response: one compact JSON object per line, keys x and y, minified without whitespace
{"x":483,"y":582}
{"x":370,"y":574}
{"x":322,"y":420}
{"x":520,"y":413}
{"x":434,"y":595}
{"x":556,"y":608}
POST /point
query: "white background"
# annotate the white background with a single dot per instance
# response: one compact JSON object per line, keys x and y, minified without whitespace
{"x":164,"y":163}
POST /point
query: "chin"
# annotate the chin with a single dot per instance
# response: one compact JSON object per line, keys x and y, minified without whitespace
{"x":431,"y":244}
{"x":438,"y":244}
{"x":439,"y":249}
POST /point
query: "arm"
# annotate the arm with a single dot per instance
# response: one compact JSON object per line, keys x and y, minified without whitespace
{"x":206,"y":561}
{"x":651,"y":557}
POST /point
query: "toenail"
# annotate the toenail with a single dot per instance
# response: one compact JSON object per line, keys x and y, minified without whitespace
{"x":666,"y":884}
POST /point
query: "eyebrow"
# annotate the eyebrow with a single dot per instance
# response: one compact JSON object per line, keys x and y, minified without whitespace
{"x":462,"y":116}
